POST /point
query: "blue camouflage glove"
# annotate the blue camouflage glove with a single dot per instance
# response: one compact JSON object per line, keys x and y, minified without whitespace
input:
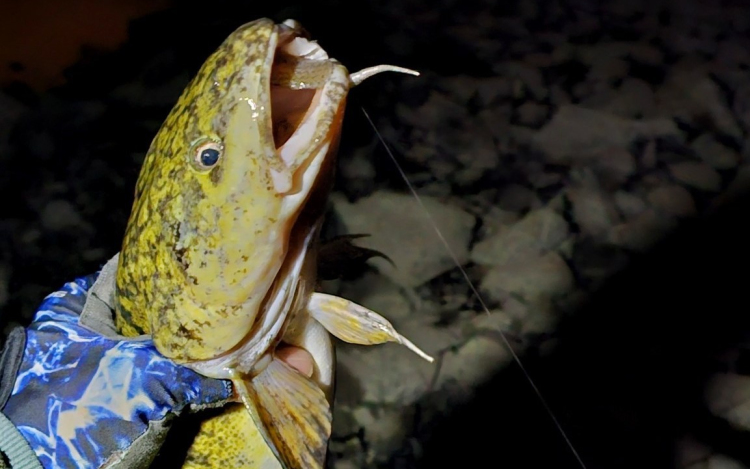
{"x":81,"y":399}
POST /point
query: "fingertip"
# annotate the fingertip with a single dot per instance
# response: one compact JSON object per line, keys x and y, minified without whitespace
{"x":298,"y":358}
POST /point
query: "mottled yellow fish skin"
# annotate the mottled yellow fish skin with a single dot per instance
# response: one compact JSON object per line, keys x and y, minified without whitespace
{"x":230,"y":440}
{"x":168,"y":191}
{"x":218,"y":259}
{"x":203,"y":246}
{"x":164,"y":191}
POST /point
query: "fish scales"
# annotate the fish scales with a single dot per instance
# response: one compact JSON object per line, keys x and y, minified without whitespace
{"x":218,"y":261}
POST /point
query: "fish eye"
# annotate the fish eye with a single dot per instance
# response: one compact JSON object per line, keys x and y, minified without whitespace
{"x":206,"y":153}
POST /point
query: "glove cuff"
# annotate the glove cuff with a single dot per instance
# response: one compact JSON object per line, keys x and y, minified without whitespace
{"x":10,"y":361}
{"x":15,"y":447}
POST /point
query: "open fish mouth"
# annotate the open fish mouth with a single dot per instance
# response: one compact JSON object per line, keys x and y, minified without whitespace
{"x":305,"y":91}
{"x":292,"y":95}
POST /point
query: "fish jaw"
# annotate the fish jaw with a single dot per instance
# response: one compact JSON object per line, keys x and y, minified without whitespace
{"x":287,"y":296}
{"x":204,"y":246}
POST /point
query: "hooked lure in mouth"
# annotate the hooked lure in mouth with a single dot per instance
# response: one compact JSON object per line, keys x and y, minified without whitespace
{"x":219,"y":255}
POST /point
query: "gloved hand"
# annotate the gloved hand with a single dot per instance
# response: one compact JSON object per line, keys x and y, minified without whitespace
{"x":81,"y":399}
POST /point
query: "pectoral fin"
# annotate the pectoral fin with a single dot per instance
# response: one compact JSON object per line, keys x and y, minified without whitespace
{"x":292,"y":413}
{"x":339,"y":257}
{"x":356,"y":324}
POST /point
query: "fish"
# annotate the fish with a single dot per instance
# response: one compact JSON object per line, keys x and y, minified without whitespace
{"x":219,"y":258}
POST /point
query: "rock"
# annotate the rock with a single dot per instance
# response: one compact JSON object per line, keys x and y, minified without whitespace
{"x":347,"y":463}
{"x":740,"y":185}
{"x":741,"y":105}
{"x":539,"y":231}
{"x":673,"y":200}
{"x":714,"y":153}
{"x":592,"y":93}
{"x":648,"y":157}
{"x":728,"y":396}
{"x":642,"y":231}
{"x":497,"y":320}
{"x":390,"y":373}
{"x":691,"y":453}
{"x":344,"y":423}
{"x":536,"y":316}
{"x":346,"y":452}
{"x":433,"y":114}
{"x":495,"y":219}
{"x":733,"y":51}
{"x":385,"y":428}
{"x":679,"y":41}
{"x":595,"y":262}
{"x":558,"y":96}
{"x":530,"y":77}
{"x":574,"y":301}
{"x":651,"y":180}
{"x":496,"y":121}
{"x":378,"y":293}
{"x":474,"y":148}
{"x":608,"y":69}
{"x":732,"y":79}
{"x":629,"y":204}
{"x":690,"y":94}
{"x":472,"y":364}
{"x":602,"y":51}
{"x":400,"y":229}
{"x":614,"y":166}
{"x":358,"y":170}
{"x":720,"y":461}
{"x":543,"y":180}
{"x":383,"y":374}
{"x":461,"y":88}
{"x":59,"y":215}
{"x":592,"y":211}
{"x":517,"y":198}
{"x":539,"y":59}
{"x":574,"y":132}
{"x":536,"y":276}
{"x":493,"y":89}
{"x":657,"y":128}
{"x":634,"y":98}
{"x":520,"y":136}
{"x":646,"y":53}
{"x":531,"y":113}
{"x":695,"y":174}
{"x":422,"y":330}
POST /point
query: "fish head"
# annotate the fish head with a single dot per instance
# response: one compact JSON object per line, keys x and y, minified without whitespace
{"x":222,"y":187}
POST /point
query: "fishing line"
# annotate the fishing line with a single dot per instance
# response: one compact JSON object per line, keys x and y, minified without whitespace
{"x":474,"y":290}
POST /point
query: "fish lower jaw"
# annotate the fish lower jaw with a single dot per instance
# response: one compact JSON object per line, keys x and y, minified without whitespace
{"x":244,"y":357}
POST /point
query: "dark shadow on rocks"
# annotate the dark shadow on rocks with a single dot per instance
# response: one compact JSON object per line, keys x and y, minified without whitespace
{"x":628,"y":377}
